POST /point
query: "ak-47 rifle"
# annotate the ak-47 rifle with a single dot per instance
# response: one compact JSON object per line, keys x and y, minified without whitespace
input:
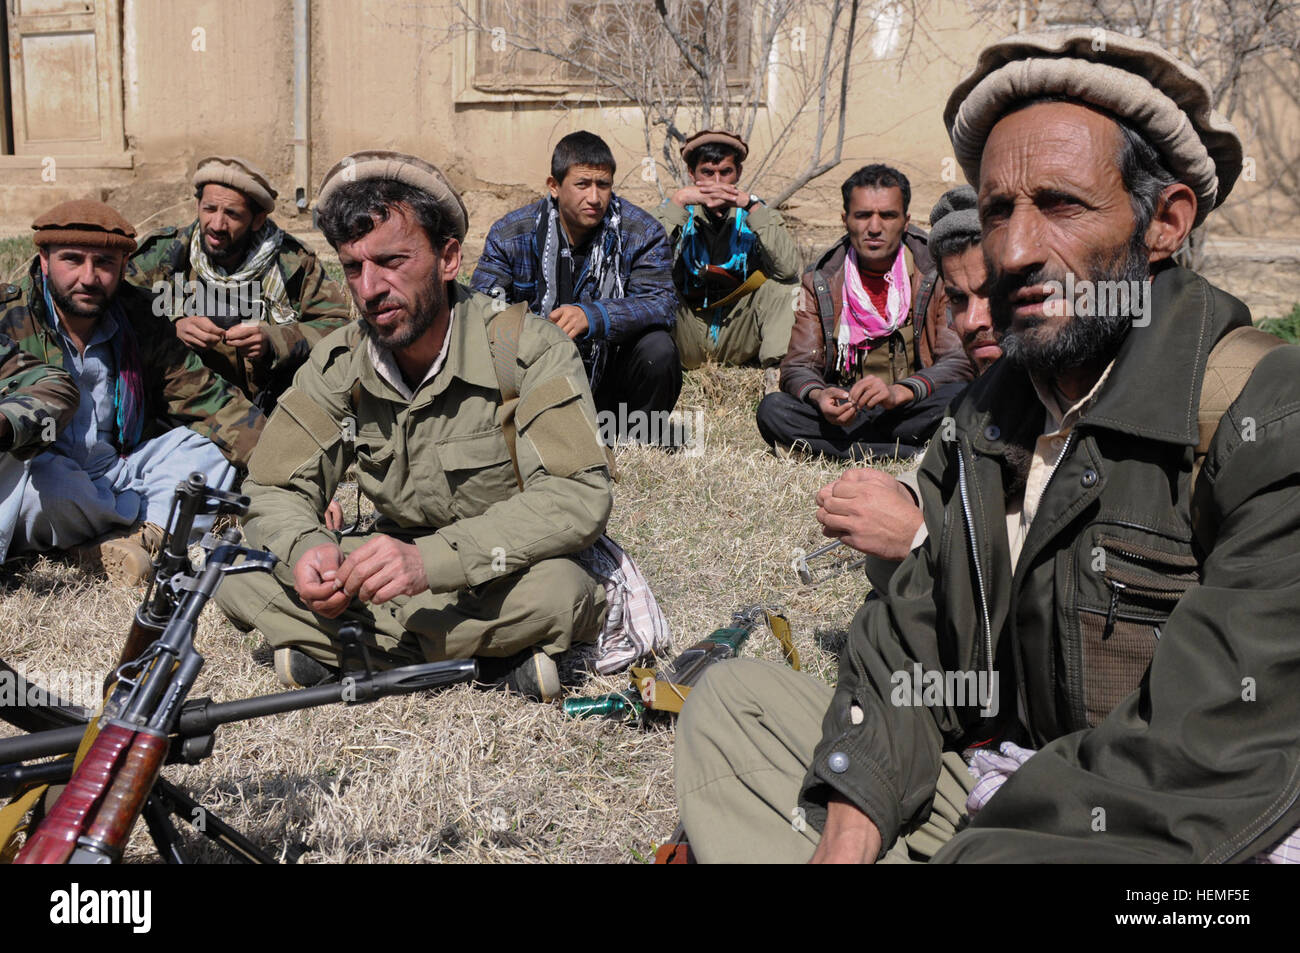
{"x":146,"y":720}
{"x":666,"y":690}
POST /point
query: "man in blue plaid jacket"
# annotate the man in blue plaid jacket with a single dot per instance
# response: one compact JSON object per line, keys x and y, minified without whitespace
{"x":600,"y":268}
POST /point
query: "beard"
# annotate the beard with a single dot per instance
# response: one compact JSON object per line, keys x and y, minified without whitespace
{"x":423,"y":312}
{"x":69,"y":306}
{"x":1044,"y":349}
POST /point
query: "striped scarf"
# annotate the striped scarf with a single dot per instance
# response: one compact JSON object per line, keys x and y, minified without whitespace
{"x":261,"y":266}
{"x":604,"y":265}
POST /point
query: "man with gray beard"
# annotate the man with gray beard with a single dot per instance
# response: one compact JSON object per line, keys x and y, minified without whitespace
{"x":1112,"y":533}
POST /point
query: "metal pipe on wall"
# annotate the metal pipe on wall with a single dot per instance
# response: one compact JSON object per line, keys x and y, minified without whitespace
{"x":301,"y":104}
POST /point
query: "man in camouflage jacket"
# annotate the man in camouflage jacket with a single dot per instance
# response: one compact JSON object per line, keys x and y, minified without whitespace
{"x":149,"y":412}
{"x":251,"y":320}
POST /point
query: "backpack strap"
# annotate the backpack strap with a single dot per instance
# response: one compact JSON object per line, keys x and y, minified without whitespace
{"x":504,"y":329}
{"x":1229,"y":367}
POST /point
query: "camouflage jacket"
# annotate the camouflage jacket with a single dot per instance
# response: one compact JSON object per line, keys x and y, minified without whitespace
{"x":179,"y":390}
{"x":320,"y":303}
{"x":32,"y":395}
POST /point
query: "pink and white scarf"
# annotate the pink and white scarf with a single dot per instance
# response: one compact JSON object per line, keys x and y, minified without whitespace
{"x":861,"y":325}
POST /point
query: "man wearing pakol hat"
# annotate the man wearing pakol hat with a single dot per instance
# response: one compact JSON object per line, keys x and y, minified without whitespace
{"x":462,"y":562}
{"x":249,"y":298}
{"x":597,"y":267}
{"x":868,"y":509}
{"x":149,"y":412}
{"x":734,"y":262}
{"x":1101,"y":620}
{"x":872,"y":363}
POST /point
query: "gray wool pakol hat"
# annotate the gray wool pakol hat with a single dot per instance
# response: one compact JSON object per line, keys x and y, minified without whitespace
{"x":236,"y":173}
{"x":414,"y":171}
{"x":956,"y":214}
{"x":1167,"y":101}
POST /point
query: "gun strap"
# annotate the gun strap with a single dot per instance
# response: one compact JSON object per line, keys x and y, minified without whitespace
{"x":661,"y":695}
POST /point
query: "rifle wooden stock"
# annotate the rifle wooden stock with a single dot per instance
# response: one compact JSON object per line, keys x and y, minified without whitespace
{"x":55,"y":839}
{"x":121,"y":807}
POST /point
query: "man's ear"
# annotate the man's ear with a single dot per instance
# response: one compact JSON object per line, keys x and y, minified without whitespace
{"x":45,"y":260}
{"x":553,"y":186}
{"x":1172,"y":222}
{"x":844,"y":217}
{"x":259,"y":220}
{"x":451,"y":253}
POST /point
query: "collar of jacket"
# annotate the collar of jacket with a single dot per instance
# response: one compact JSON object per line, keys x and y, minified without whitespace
{"x":540,"y":216}
{"x":915,"y":241}
{"x":1154,"y":389}
{"x":469,"y":357}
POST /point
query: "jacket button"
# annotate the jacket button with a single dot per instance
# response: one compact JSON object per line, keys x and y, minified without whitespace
{"x":838,"y":762}
{"x":1089,"y":478}
{"x":992,"y":432}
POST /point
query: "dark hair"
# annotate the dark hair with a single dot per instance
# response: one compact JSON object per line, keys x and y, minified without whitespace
{"x":357,"y":207}
{"x":713,"y":152}
{"x":877,"y":176}
{"x":580,"y":148}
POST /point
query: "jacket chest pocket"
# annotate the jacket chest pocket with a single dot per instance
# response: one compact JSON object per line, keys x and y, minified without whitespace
{"x":1119,"y":633}
{"x":479,"y":471}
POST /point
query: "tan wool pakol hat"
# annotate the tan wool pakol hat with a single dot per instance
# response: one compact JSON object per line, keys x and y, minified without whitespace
{"x":399,"y":167}
{"x":1167,"y":101}
{"x":236,"y":173}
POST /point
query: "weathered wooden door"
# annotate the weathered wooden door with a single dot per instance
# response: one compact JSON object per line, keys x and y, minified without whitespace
{"x":65,"y":76}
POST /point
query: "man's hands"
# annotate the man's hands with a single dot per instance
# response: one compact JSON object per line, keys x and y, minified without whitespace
{"x":315,"y":576}
{"x":570,"y":319}
{"x":378,"y":571}
{"x":251,"y":340}
{"x":850,"y":837}
{"x":873,"y":392}
{"x":715,"y":196}
{"x":839,"y":406}
{"x":871,"y":512}
{"x":198,"y":334}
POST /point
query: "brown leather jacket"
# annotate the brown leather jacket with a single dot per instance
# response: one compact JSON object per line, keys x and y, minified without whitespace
{"x":938,"y":360}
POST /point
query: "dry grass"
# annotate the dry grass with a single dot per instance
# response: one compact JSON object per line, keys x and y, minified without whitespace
{"x":468,"y":775}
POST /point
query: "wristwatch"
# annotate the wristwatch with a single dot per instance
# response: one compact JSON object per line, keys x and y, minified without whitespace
{"x":753,"y":200}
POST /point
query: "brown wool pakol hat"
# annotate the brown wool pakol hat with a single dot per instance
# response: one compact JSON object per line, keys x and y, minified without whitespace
{"x":84,"y":222}
{"x":235,"y":173}
{"x":714,"y":135}
{"x":414,"y":171}
{"x":1167,"y":101}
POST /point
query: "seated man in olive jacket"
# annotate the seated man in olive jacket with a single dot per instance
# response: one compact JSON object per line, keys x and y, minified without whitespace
{"x":1100,"y":623}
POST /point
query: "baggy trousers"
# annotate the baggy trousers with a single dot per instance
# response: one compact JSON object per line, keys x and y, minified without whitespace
{"x":553,"y":603}
{"x":757,"y":326}
{"x":789,"y":422}
{"x":745,"y":742}
{"x":50,"y":502}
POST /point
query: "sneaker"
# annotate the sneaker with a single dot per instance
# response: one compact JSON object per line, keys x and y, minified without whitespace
{"x":771,"y":380}
{"x":531,"y":673}
{"x":296,"y":669}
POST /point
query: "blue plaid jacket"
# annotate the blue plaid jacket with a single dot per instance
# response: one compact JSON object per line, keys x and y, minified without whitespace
{"x":511,"y":261}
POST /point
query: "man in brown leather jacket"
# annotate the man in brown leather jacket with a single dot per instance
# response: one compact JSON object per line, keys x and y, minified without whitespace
{"x":877,"y":382}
